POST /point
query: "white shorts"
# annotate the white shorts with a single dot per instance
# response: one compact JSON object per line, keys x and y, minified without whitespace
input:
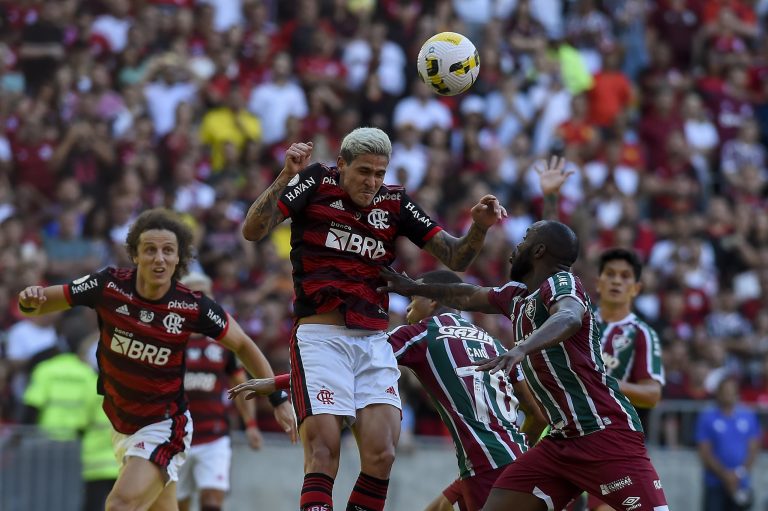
{"x":338,"y":370}
{"x":164,"y":443}
{"x":206,"y":468}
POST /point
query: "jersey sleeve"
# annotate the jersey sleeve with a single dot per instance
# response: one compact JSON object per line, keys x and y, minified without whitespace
{"x":504,"y":297}
{"x":296,"y":194}
{"x":647,"y":364}
{"x":86,"y":290}
{"x":562,"y":285}
{"x":415,"y":224}
{"x":406,"y":342}
{"x":213,"y":320}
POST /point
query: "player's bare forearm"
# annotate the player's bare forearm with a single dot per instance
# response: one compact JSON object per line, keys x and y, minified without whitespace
{"x":565,"y":321}
{"x":246,"y":407}
{"x":642,"y":394}
{"x":264,"y":214}
{"x":549,"y":208}
{"x":37,"y":300}
{"x":457,"y":253}
{"x":463,"y":297}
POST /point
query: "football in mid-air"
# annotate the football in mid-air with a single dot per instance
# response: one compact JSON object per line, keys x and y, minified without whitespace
{"x":449,"y":63}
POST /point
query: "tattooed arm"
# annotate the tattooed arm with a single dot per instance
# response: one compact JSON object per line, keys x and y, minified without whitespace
{"x":264,"y":214}
{"x":458,"y":253}
{"x":464,"y":297}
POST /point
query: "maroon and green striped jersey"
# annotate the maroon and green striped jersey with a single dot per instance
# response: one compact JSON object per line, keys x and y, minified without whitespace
{"x":569,"y":379}
{"x":338,"y":249}
{"x":631,"y":349}
{"x":479,"y":409}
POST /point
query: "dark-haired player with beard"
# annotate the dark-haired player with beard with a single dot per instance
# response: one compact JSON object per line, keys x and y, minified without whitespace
{"x":631,"y":349}
{"x":480,"y":410}
{"x":345,"y":223}
{"x":596,"y":441}
{"x":145,"y":320}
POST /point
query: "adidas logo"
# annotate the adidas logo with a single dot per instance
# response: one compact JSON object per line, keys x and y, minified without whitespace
{"x":338,"y":205}
{"x":140,"y":445}
{"x":123,"y":309}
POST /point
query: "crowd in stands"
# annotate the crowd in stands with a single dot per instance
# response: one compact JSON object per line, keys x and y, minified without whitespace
{"x":110,"y":107}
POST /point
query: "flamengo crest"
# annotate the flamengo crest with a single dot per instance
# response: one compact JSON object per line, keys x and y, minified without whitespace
{"x":172,"y":323}
{"x":379,"y":219}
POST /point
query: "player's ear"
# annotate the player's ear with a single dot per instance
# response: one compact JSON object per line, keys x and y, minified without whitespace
{"x":340,"y":162}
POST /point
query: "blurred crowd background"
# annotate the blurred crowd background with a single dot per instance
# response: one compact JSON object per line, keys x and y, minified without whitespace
{"x":109,"y":107}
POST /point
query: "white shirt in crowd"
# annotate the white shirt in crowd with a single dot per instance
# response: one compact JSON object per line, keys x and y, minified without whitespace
{"x":391,"y":71}
{"x":162,"y":101}
{"x":413,"y":159}
{"x":226,"y":13}
{"x":424,"y":115}
{"x":114,"y":30}
{"x":274,"y":103}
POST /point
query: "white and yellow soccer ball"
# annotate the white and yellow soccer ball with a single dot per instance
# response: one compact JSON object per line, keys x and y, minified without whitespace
{"x":449,"y":63}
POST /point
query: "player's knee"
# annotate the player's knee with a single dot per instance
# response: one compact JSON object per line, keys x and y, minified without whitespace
{"x":117,"y":501}
{"x":382,"y":457}
{"x":211,"y":500}
{"x":322,"y":457}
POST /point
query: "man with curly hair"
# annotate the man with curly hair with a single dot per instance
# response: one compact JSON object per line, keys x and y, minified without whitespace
{"x":145,"y":320}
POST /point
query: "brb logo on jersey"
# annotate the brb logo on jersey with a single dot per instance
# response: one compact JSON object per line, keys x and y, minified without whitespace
{"x":137,"y":350}
{"x":351,"y":242}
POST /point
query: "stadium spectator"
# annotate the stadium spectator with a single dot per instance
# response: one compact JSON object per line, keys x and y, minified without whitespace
{"x":278,"y":99}
{"x":728,"y":439}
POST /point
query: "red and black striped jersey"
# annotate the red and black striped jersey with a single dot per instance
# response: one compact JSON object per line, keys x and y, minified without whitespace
{"x":141,"y":351}
{"x":209,"y":370}
{"x":338,"y":249}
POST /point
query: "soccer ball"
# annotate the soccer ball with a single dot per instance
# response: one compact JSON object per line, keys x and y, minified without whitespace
{"x":449,"y":63}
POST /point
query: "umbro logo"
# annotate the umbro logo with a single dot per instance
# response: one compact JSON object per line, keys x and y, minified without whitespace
{"x":123,"y":309}
{"x":337,"y":205}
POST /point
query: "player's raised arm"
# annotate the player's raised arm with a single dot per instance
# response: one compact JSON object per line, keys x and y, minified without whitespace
{"x":264,"y":214}
{"x":458,"y":253}
{"x":38,"y":300}
{"x":465,"y":297}
{"x":552,"y":176}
